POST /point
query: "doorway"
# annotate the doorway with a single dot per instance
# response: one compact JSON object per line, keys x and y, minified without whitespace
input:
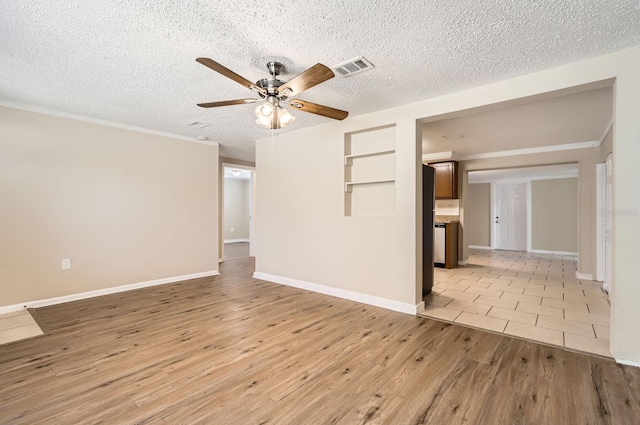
{"x":510,"y":216}
{"x":238,"y":212}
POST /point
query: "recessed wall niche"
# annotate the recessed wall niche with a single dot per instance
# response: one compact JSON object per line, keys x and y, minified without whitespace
{"x":370,"y":172}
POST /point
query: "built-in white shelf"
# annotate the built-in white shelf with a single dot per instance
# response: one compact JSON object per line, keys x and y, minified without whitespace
{"x":348,"y":159}
{"x":349,"y":185}
{"x":370,"y":172}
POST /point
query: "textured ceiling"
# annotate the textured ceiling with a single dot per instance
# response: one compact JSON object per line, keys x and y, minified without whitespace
{"x":133,"y":62}
{"x":573,"y":118}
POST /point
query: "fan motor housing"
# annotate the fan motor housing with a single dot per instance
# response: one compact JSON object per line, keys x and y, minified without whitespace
{"x":269,"y":84}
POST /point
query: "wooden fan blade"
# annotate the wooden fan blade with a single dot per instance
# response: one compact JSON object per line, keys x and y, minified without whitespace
{"x":227,"y":103}
{"x":313,"y":76}
{"x":314,"y":108}
{"x":230,"y":74}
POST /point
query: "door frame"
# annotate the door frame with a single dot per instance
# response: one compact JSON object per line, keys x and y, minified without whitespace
{"x":252,"y":206}
{"x":600,"y":221}
{"x":604,"y":206}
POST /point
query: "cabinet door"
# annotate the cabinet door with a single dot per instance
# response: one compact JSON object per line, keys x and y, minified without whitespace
{"x":446,"y":180}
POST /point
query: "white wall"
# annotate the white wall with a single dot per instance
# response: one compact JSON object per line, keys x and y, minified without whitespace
{"x":124,"y":206}
{"x":236,"y":209}
{"x":303,"y":235}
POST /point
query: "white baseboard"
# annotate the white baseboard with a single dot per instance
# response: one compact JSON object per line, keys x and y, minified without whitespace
{"x":479,"y":247}
{"x":105,"y":291}
{"x":235,"y":240}
{"x":463,"y":262}
{"x":343,"y":293}
{"x":628,"y":362}
{"x":544,"y":251}
{"x":584,"y":276}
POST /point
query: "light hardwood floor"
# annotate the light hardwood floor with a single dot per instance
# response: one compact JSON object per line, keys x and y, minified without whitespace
{"x":236,"y":250}
{"x":234,"y":350}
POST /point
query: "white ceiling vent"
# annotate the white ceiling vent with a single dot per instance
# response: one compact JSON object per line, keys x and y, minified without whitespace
{"x":352,"y":66}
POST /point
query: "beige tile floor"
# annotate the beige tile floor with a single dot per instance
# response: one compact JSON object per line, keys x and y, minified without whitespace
{"x":531,"y":296}
{"x":16,"y":326}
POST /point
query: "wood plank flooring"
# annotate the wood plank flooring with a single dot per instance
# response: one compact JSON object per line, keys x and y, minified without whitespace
{"x":236,"y":250}
{"x":234,"y":350}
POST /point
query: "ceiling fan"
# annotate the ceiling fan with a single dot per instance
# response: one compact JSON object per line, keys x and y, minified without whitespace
{"x":275,"y":93}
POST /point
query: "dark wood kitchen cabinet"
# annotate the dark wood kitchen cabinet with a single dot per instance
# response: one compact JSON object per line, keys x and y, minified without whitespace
{"x":446,"y":179}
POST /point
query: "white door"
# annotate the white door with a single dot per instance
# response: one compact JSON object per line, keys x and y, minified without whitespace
{"x":510,"y":216}
{"x":608,"y":223}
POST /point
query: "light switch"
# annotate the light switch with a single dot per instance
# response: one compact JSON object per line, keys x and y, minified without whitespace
{"x":66,"y":263}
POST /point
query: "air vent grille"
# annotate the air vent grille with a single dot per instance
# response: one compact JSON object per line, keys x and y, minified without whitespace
{"x":198,"y":124}
{"x":352,"y":66}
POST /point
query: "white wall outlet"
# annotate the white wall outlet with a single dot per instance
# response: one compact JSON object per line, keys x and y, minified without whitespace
{"x":66,"y":263}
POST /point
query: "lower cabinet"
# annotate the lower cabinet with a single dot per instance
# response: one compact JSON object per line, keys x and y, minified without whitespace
{"x":451,"y":235}
{"x":446,"y":245}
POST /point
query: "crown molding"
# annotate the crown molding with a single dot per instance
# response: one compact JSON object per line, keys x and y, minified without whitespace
{"x":83,"y":118}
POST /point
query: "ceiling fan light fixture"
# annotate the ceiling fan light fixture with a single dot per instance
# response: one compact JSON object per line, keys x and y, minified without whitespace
{"x":265,"y":118}
{"x":284,"y":117}
{"x":272,"y":91}
{"x":264,"y":111}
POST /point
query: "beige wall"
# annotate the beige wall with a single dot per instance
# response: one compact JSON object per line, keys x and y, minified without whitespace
{"x":478,"y":214}
{"x":302,"y":231}
{"x":380,"y":256}
{"x":124,"y":206}
{"x":236,"y":208}
{"x":554,"y":215}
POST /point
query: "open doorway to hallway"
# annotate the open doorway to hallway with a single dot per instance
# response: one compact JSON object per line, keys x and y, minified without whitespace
{"x":238,"y":212}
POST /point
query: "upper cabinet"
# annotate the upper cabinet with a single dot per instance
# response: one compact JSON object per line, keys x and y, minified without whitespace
{"x":446,"y":179}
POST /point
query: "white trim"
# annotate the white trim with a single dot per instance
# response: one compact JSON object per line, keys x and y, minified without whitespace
{"x":343,"y":293}
{"x":463,"y":262}
{"x":600,"y":222}
{"x":479,"y":247}
{"x":529,"y":217}
{"x":584,"y":276}
{"x":542,"y":149}
{"x":546,"y":251}
{"x":627,"y":362}
{"x":236,"y":240}
{"x":76,"y":117}
{"x":105,"y":291}
{"x":220,"y":260}
{"x":492,"y":227}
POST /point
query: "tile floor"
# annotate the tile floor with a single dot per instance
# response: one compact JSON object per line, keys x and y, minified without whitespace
{"x":16,"y":326}
{"x":531,"y":296}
